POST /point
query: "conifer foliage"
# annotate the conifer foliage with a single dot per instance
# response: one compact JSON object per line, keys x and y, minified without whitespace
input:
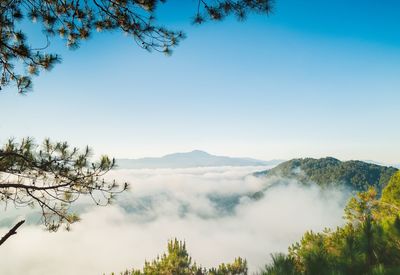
{"x":369,"y":243}
{"x":52,"y":176}
{"x":177,"y":261}
{"x":75,"y":21}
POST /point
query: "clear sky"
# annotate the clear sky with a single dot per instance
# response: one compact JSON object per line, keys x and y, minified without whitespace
{"x":316,"y":78}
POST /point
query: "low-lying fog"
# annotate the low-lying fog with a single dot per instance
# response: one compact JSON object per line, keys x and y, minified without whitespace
{"x":209,"y":208}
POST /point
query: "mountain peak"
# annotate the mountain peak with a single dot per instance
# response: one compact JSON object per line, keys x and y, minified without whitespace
{"x":194,"y":154}
{"x":199,"y":152}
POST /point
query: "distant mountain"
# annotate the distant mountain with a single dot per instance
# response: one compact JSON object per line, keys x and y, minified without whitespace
{"x":192,"y":159}
{"x":357,"y":175}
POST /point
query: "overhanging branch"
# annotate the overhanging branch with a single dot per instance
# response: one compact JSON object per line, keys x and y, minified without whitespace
{"x":12,"y":231}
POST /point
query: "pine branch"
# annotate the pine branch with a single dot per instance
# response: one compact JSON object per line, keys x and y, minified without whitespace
{"x":12,"y":231}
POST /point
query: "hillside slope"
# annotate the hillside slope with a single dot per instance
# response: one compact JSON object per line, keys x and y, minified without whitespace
{"x":357,"y":175}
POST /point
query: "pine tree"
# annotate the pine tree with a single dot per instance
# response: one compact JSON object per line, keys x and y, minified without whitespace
{"x":177,"y":261}
{"x":369,"y":243}
{"x":52,"y":177}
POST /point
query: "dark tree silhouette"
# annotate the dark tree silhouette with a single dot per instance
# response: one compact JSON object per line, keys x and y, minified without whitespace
{"x":52,"y":176}
{"x":75,"y":20}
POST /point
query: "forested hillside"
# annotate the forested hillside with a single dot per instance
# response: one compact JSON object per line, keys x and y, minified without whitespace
{"x":369,"y":243}
{"x":357,"y":175}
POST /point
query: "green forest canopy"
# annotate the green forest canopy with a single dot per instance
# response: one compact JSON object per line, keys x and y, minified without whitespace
{"x":357,"y":175}
{"x":177,"y":261}
{"x":369,"y":242}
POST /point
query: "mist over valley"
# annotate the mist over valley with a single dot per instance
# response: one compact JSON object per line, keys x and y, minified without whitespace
{"x":217,"y":210}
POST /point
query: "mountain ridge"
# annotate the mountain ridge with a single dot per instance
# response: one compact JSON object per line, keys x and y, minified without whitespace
{"x":192,"y":159}
{"x":355,"y":174}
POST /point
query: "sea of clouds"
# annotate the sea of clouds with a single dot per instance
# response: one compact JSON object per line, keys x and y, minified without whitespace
{"x":209,"y":208}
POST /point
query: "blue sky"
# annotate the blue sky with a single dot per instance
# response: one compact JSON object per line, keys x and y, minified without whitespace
{"x":311,"y":80}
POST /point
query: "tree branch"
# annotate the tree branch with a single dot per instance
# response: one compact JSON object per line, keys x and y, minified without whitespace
{"x":12,"y":231}
{"x":32,"y":187}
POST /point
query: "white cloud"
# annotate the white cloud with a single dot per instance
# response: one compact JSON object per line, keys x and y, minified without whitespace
{"x":167,"y":203}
